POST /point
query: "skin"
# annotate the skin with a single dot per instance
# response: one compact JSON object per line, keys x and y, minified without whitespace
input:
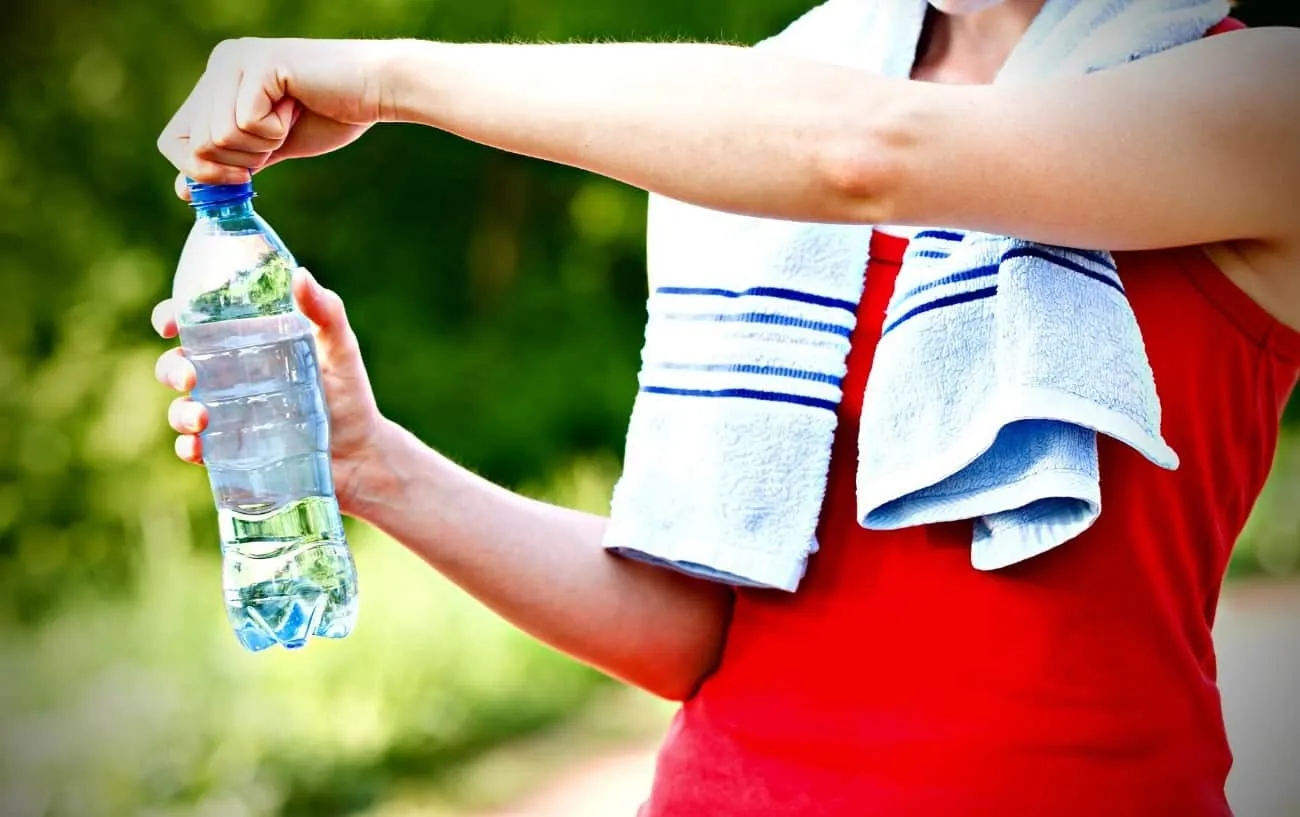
{"x":1145,"y":156}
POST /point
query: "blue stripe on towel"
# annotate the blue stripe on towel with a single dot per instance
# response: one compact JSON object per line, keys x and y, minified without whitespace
{"x":991,"y":270}
{"x":1035,"y":252}
{"x":939,"y":235}
{"x":750,"y":368}
{"x":956,"y":278}
{"x":939,"y":303}
{"x":950,"y":235}
{"x":765,"y":292}
{"x":747,"y":394}
{"x":1095,"y":257}
{"x":764,"y":318}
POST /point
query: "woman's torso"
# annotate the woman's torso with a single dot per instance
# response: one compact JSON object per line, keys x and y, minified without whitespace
{"x":900,"y":681}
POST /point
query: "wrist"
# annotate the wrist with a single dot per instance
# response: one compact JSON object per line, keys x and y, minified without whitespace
{"x":410,"y":75}
{"x":376,"y":481}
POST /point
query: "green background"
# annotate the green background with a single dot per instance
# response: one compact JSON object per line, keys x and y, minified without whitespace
{"x":499,"y":302}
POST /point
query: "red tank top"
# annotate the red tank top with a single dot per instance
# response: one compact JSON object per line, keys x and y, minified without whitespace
{"x":899,"y":681}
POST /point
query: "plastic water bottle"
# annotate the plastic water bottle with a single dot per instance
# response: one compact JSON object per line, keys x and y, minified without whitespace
{"x":287,"y":571}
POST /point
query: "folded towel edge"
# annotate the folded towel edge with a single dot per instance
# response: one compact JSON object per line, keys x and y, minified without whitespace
{"x":1027,"y":403}
{"x":1010,"y":546}
{"x":1001,"y":498}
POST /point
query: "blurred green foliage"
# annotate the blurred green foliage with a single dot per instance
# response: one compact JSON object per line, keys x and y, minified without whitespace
{"x":147,"y":706}
{"x":500,"y":300}
{"x":500,"y":305}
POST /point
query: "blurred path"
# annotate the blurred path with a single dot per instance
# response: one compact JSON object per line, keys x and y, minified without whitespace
{"x":611,"y":786}
{"x":1258,"y":637}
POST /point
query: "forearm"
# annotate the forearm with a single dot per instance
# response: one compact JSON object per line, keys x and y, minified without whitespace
{"x":543,"y":569}
{"x":730,"y":128}
{"x":1144,"y":157}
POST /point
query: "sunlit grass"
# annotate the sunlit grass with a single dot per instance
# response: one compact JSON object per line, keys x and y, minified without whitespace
{"x":147,"y":705}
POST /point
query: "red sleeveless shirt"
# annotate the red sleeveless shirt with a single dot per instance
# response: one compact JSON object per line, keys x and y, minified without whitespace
{"x":899,"y":681}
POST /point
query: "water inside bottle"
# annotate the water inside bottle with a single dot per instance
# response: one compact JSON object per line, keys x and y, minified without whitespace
{"x":288,"y":573}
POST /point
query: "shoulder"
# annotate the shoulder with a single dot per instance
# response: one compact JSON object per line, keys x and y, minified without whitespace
{"x":1253,"y":72}
{"x":1267,"y":61}
{"x":1269,"y":275}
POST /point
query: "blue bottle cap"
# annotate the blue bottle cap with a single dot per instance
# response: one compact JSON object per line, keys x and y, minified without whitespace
{"x":210,"y":195}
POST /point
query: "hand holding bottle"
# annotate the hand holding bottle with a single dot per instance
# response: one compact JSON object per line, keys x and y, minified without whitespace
{"x":355,"y":420}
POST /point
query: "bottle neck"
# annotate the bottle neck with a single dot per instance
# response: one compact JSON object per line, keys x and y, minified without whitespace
{"x":219,"y":202}
{"x":224,"y":211}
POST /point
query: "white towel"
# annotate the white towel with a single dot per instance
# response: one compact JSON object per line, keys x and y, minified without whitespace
{"x":1001,"y":360}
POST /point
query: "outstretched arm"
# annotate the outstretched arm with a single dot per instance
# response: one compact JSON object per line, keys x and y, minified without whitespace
{"x":1196,"y":145}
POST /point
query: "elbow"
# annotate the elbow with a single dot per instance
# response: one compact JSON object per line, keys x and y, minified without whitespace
{"x":678,"y":689}
{"x":679,"y":686}
{"x":863,"y":158}
{"x":673,"y":692}
{"x":859,"y":183}
{"x":676,"y":668}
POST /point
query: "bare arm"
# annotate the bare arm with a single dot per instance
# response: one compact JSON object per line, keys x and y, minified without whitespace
{"x":542,"y":568}
{"x":1199,"y":144}
{"x":539,"y":566}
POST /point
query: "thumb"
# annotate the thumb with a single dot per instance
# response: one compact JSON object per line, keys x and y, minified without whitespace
{"x":322,"y":307}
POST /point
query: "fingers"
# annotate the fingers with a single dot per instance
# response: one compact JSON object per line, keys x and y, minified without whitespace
{"x":164,"y":319}
{"x":227,"y":143}
{"x":232,"y":122}
{"x":187,"y":134}
{"x":236,"y":165}
{"x":322,"y":307}
{"x":186,"y":416}
{"x":189,"y":448}
{"x":262,"y":111}
{"x":174,"y":371}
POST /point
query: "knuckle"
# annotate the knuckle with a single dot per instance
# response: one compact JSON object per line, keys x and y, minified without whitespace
{"x":225,"y":51}
{"x":162,"y":368}
{"x":336,"y":304}
{"x":193,"y":166}
{"x":175,"y":373}
{"x":174,"y":150}
{"x":247,"y":124}
{"x":233,"y":51}
{"x":225,"y":141}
